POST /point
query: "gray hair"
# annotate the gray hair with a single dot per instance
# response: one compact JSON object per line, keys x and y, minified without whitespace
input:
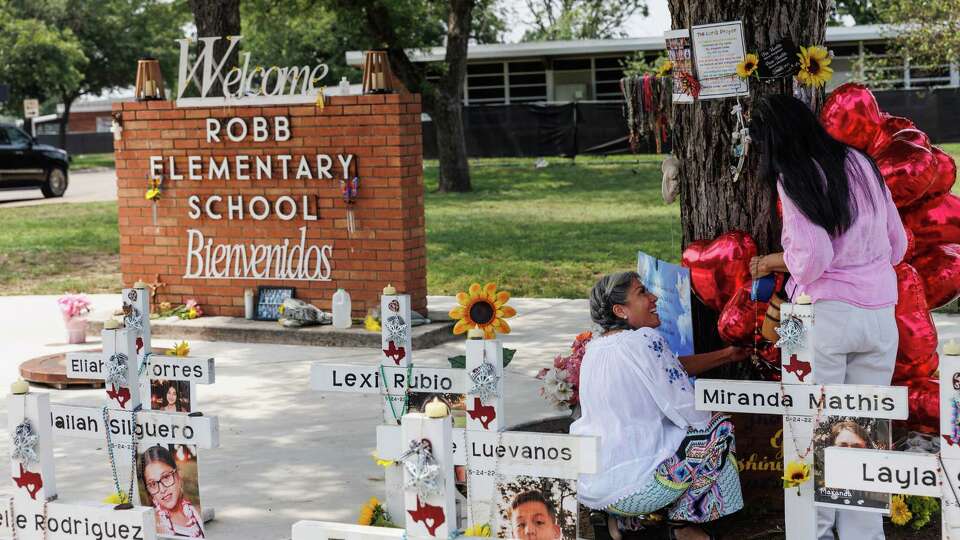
{"x":610,"y":290}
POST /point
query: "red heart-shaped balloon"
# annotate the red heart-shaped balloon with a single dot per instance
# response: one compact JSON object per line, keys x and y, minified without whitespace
{"x":741,"y":318}
{"x":888,"y":127}
{"x":943,"y":181}
{"x":911,"y":245}
{"x":923,"y":395}
{"x":851,"y":115}
{"x":935,"y":223}
{"x":917,"y":354}
{"x":718,"y":268}
{"x":908,"y":169}
{"x":939,"y":268}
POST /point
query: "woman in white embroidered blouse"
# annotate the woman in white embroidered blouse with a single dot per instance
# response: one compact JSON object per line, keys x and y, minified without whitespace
{"x":637,"y":396}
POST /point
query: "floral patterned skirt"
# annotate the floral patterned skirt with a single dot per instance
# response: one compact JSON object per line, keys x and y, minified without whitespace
{"x":699,"y":483}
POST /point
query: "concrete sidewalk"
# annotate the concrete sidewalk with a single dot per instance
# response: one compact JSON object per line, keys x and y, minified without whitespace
{"x":286,"y":453}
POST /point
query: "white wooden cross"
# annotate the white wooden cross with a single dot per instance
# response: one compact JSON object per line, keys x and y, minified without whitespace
{"x":33,"y":513}
{"x":136,"y":307}
{"x":427,"y":513}
{"x":536,"y":455}
{"x":800,"y":401}
{"x":124,"y":346}
{"x":911,"y":473}
{"x":490,"y":453}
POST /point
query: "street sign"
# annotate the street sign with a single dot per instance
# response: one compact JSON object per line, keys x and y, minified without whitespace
{"x":31,"y":108}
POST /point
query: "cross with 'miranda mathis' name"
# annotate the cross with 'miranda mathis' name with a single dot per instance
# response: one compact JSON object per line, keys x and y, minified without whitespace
{"x":802,"y":403}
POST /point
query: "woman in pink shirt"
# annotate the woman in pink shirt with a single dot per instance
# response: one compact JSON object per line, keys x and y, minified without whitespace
{"x":841,"y":238}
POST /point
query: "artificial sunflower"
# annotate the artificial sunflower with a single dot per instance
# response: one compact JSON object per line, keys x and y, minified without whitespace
{"x":796,"y":473}
{"x":179,"y":349}
{"x":899,"y":513}
{"x":665,"y":69}
{"x":815,"y":67}
{"x":371,"y":324}
{"x":478,"y":531}
{"x":366,"y":515}
{"x":385,"y":463}
{"x":748,"y":66}
{"x":121,"y":498}
{"x":483,"y":308}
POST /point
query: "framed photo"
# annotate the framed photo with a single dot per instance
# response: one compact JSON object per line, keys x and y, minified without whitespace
{"x":849,"y":432}
{"x":169,"y":481}
{"x":269,"y":300}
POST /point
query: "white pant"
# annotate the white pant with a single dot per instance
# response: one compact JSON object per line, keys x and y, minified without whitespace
{"x":852,"y":346}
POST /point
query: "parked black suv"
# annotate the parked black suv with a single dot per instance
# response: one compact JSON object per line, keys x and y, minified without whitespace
{"x":26,"y":163}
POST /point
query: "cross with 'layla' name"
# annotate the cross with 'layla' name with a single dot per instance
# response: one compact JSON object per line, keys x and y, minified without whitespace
{"x":911,"y":473}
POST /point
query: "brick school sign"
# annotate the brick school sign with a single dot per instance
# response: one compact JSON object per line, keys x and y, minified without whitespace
{"x":251,"y":195}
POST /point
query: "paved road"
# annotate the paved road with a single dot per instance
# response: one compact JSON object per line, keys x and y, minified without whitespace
{"x":99,"y":185}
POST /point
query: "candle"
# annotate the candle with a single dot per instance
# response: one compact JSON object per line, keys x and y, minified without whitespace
{"x":951,"y":348}
{"x":140,"y":285}
{"x":475,"y":333}
{"x":804,"y":299}
{"x":111,"y":324}
{"x":389,"y":290}
{"x":436,"y":409}
{"x":248,"y":304}
{"x":20,"y":387}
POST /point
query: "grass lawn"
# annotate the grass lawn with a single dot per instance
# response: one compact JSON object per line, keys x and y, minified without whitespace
{"x":545,"y":232}
{"x":49,"y":249}
{"x":90,"y":161}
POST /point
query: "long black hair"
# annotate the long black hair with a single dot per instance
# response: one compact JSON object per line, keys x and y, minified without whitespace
{"x":795,"y":148}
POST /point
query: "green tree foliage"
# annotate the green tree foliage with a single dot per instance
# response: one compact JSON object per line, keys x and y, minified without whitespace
{"x":928,"y":31}
{"x":580,"y":19}
{"x":111,"y":36}
{"x":26,"y":49}
{"x":300,"y":32}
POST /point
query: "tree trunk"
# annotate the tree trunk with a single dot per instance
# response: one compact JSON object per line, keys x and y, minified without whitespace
{"x":448,"y":109}
{"x":710,"y":202}
{"x":219,"y":18}
{"x":65,"y":121}
{"x":443,"y":101}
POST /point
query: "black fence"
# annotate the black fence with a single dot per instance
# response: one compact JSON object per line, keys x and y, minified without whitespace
{"x":569,"y":129}
{"x":82,"y":143}
{"x":936,"y":112}
{"x":538,"y":129}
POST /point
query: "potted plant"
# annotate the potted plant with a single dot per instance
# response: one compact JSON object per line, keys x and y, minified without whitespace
{"x":74,"y":308}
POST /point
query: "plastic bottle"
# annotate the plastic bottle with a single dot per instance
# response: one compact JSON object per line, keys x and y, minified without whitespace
{"x":341,"y":309}
{"x":344,"y":86}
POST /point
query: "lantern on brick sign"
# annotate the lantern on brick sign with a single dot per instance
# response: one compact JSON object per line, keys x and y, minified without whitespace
{"x":377,"y":77}
{"x":149,"y":80}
